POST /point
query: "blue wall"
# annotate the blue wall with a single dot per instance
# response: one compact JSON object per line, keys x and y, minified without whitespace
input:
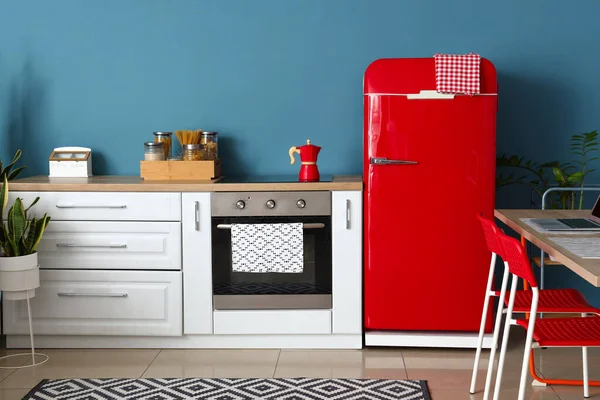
{"x":268,"y":74}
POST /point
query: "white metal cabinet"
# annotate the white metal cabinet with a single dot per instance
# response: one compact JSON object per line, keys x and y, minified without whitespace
{"x":120,"y":303}
{"x":111,"y":245}
{"x":197,"y":264}
{"x":347,"y":261}
{"x":104,"y":206}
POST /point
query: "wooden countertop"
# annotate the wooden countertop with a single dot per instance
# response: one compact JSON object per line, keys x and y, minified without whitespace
{"x":110,"y":183}
{"x":588,"y":269}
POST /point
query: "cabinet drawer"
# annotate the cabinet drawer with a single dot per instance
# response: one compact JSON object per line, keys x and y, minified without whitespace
{"x":111,"y":245}
{"x":105,"y":206}
{"x":101,"y":303}
{"x":272,"y":322}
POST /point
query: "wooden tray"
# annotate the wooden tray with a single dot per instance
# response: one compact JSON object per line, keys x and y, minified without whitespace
{"x":180,"y":170}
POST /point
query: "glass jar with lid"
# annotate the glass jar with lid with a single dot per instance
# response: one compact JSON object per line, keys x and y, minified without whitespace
{"x":166,"y":138}
{"x":210,"y":142}
{"x":154,"y":151}
{"x":192,"y":152}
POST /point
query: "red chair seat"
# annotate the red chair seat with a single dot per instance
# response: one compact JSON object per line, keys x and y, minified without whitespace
{"x":571,"y":332}
{"x":552,"y":300}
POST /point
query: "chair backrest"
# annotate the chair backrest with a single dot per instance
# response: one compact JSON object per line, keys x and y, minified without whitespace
{"x":491,"y":231}
{"x":518,"y":262}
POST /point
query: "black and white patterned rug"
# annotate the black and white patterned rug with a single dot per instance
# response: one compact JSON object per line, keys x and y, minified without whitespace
{"x":229,"y":389}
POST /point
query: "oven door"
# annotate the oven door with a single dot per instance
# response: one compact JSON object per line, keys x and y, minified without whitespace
{"x":309,"y":289}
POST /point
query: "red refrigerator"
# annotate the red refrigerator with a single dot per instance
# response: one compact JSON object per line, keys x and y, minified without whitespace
{"x":429,"y":168}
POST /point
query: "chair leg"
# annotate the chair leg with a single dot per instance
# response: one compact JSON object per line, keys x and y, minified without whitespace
{"x":527,"y":353}
{"x":507,"y":323}
{"x":586,"y":382}
{"x":486,"y":303}
{"x":498,"y":323}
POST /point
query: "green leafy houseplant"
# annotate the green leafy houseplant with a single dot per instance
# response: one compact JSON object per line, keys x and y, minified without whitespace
{"x":7,"y":171}
{"x":539,"y":177}
{"x":19,"y":235}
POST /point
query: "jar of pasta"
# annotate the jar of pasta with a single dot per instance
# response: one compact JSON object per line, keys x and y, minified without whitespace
{"x":154,"y":151}
{"x":192,"y":152}
{"x":164,"y":137}
{"x":209,"y":140}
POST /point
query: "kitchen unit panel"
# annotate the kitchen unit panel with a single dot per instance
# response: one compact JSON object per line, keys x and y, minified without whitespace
{"x":272,"y":322}
{"x":116,"y":303}
{"x":347,"y":261}
{"x":197,"y":262}
{"x":111,"y":245}
{"x":104,"y":206}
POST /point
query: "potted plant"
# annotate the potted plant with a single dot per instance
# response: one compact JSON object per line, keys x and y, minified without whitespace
{"x":543,"y":176}
{"x":8,"y":171}
{"x":19,"y":237}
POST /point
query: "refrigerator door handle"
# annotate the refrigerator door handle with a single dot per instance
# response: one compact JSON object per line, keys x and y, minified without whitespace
{"x":385,"y":161}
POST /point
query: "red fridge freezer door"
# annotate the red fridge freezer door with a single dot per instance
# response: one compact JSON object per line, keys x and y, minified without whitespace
{"x":426,"y":263}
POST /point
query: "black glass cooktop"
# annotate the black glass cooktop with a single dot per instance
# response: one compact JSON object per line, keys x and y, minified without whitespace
{"x":268,"y":178}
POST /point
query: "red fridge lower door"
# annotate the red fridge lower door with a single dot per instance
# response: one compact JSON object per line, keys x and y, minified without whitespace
{"x":426,"y":263}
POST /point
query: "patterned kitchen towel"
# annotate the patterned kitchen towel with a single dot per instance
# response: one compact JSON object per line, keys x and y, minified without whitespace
{"x":267,"y":248}
{"x":457,"y":73}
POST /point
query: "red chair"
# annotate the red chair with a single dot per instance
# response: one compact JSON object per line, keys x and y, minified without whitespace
{"x":550,"y":332}
{"x":550,"y":301}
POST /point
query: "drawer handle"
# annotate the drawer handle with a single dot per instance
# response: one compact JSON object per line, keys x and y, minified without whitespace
{"x":75,"y":206}
{"x":91,"y":246}
{"x":315,"y":225}
{"x":348,"y":214}
{"x":72,"y":294}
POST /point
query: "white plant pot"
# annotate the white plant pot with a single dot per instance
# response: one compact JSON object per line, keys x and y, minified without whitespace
{"x":19,"y":277}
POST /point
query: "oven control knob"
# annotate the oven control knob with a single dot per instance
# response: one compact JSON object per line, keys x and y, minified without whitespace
{"x":300,"y":203}
{"x":240,"y":204}
{"x":270,"y":203}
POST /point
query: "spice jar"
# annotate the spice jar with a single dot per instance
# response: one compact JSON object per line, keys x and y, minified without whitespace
{"x":192,"y":152}
{"x":209,"y":140}
{"x":154,"y":151}
{"x":164,"y":137}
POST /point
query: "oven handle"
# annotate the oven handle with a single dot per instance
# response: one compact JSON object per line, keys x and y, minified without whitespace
{"x":316,"y":225}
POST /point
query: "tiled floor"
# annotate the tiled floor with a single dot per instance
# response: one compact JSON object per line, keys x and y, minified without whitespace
{"x":448,"y":372}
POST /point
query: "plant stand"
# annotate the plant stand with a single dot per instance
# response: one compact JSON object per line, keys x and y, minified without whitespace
{"x":19,"y":277}
{"x":33,"y":353}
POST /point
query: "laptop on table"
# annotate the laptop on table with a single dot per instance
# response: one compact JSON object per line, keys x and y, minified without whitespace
{"x":591,"y":223}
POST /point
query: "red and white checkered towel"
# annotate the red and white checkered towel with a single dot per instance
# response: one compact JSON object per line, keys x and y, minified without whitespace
{"x":457,"y":73}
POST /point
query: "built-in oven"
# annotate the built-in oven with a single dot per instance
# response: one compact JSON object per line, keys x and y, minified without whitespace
{"x":308,"y":287}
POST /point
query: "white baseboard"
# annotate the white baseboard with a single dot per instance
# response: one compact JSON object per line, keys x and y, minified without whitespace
{"x":426,"y":339}
{"x":191,"y":342}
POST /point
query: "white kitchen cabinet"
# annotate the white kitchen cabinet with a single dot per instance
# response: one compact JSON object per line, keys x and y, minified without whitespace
{"x":139,"y":264}
{"x":272,"y":322}
{"x":111,"y":245}
{"x":347,"y":261}
{"x":104,"y":206}
{"x":197,"y":263}
{"x":119,"y":303}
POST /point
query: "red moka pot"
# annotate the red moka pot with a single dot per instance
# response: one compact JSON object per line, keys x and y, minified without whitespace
{"x":309,"y":172}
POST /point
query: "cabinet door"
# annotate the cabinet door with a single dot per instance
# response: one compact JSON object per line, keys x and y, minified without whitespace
{"x":347,"y":262}
{"x":111,"y":245}
{"x":104,"y":206}
{"x":197,"y":264}
{"x":113,"y":303}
